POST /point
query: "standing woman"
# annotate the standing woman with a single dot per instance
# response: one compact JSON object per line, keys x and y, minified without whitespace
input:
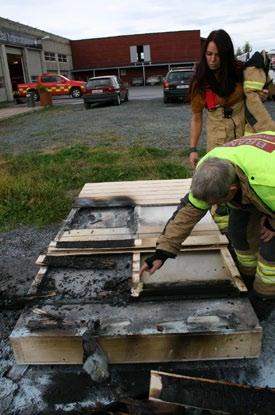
{"x":217,"y":87}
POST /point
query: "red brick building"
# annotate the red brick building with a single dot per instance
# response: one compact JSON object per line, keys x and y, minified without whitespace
{"x":134,"y":56}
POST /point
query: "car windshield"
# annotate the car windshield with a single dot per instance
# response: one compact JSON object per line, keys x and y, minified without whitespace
{"x":92,"y":83}
{"x":180,"y":76}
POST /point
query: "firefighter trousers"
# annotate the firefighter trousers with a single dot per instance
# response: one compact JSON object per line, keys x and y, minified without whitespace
{"x":256,"y":258}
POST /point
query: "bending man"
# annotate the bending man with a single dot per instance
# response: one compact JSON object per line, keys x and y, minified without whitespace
{"x":242,"y":174}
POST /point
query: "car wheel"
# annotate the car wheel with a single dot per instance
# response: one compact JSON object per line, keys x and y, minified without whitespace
{"x":35,"y":94}
{"x":75,"y":93}
{"x":126,"y":98}
{"x":117,"y":100}
{"x":87,"y":105}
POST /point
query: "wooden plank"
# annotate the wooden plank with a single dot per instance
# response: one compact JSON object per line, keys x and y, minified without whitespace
{"x":46,"y":349}
{"x":164,"y":191}
{"x":234,"y":272}
{"x":146,"y":332}
{"x":215,"y":239}
{"x":137,"y":184}
{"x":211,"y":394}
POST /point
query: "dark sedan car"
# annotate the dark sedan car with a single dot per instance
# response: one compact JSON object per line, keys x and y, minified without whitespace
{"x":176,"y":84}
{"x":101,"y":89}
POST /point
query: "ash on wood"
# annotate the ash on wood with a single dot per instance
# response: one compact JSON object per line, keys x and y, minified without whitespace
{"x":146,"y":332}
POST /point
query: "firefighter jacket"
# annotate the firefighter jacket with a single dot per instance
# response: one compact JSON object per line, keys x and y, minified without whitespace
{"x":225,"y":119}
{"x":255,"y":80}
{"x":254,"y":160}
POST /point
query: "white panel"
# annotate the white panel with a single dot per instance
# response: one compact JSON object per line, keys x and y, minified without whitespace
{"x":147,"y":53}
{"x":133,"y":54}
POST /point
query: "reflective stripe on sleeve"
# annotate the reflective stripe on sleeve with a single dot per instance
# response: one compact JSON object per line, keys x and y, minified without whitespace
{"x":199,"y":204}
{"x":253,"y":85}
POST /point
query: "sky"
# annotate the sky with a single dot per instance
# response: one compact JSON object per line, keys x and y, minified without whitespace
{"x":252,"y":21}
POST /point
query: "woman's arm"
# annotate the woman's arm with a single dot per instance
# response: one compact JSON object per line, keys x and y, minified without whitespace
{"x":196,"y":128}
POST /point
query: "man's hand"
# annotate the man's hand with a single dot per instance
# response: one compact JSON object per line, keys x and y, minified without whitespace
{"x":263,"y":94}
{"x":193,"y":158}
{"x":266,"y":234}
{"x":157,"y":263}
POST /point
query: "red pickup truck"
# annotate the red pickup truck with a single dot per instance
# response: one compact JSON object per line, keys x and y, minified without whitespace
{"x":55,"y":83}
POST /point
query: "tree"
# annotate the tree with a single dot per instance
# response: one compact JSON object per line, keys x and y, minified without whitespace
{"x":247,"y":47}
{"x":238,"y":51}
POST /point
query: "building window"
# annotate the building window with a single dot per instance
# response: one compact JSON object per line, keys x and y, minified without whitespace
{"x":49,"y":56}
{"x":140,"y":54}
{"x":62,"y":58}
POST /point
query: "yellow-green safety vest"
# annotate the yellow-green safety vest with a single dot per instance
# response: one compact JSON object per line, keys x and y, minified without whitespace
{"x":255,"y":156}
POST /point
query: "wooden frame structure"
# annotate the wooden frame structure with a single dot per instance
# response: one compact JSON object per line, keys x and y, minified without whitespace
{"x":113,"y":220}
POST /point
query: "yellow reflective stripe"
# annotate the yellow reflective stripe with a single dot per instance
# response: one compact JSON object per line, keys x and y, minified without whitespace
{"x":253,"y":85}
{"x":266,"y":273}
{"x":197,"y":203}
{"x":246,"y":260}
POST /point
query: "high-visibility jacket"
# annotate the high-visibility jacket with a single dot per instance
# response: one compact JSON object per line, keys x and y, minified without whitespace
{"x":255,"y":80}
{"x":253,"y":158}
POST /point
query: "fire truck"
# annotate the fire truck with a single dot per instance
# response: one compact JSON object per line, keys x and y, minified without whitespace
{"x":54,"y":83}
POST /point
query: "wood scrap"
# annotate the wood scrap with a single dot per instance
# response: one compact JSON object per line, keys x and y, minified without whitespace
{"x":211,"y":394}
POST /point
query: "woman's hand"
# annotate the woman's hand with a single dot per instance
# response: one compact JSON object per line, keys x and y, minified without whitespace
{"x":193,"y":158}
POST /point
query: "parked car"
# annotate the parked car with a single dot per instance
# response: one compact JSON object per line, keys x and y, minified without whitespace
{"x":100,"y":89}
{"x":176,"y":84}
{"x":154,"y":80}
{"x":137,"y":82}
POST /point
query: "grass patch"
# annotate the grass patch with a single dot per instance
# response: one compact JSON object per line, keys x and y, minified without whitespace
{"x":37,"y":189}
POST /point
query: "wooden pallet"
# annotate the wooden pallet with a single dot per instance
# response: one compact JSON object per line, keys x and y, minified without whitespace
{"x":114,"y":221}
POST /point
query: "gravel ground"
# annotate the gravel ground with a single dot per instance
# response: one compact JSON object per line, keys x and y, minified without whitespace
{"x":137,"y":122}
{"x":149,"y":123}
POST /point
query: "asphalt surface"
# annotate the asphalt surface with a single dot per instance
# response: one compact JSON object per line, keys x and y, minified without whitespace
{"x":138,"y":92}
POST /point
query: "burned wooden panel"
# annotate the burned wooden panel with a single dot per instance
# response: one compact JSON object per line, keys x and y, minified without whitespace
{"x":197,"y":273}
{"x":98,"y":227}
{"x":142,"y":192}
{"x":128,"y":228}
{"x":86,"y":278}
{"x":145,"y":332}
{"x":211,"y":394}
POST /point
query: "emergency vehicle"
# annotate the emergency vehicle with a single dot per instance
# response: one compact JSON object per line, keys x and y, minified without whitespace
{"x":55,"y":83}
